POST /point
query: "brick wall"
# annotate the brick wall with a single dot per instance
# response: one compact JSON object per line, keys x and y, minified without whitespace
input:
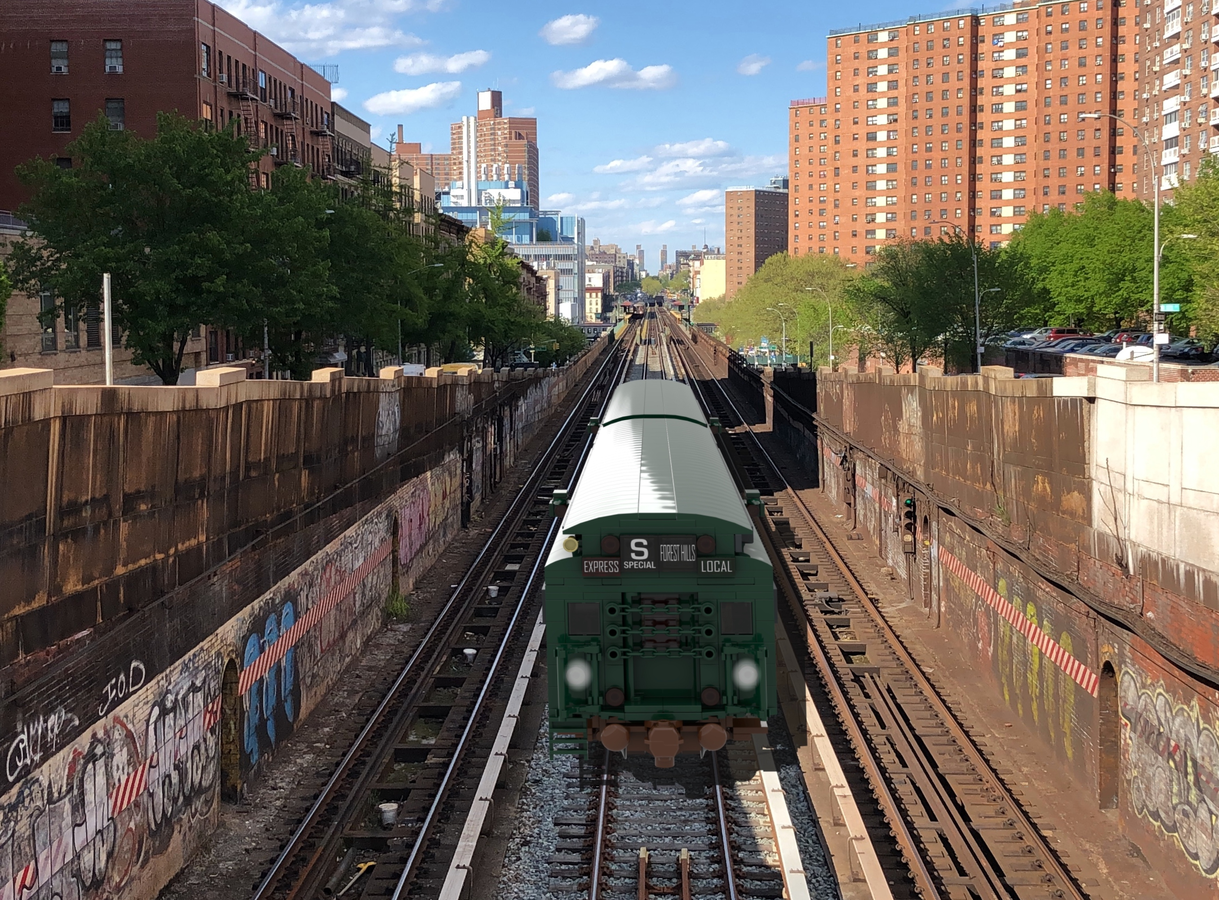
{"x":137,"y":728}
{"x":1099,"y":630}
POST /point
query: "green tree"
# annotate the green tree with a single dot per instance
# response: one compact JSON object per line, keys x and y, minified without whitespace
{"x":376,"y":267}
{"x":808,"y":291}
{"x":652,"y":285}
{"x":1094,"y":263}
{"x":1197,"y":205}
{"x":557,"y":342}
{"x":159,"y":215}
{"x":287,"y":254}
{"x":6,"y":291}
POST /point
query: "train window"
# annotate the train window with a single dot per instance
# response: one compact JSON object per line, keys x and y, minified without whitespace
{"x":736,"y":618}
{"x":583,"y":618}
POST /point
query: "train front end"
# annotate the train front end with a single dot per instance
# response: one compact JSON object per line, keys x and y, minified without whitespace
{"x":659,"y":598}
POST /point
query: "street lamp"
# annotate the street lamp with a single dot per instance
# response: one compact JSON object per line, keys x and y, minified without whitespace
{"x":829,"y":308}
{"x":1156,"y":246}
{"x":796,"y":313}
{"x":973,"y":249}
{"x":407,"y":275}
{"x":783,"y":319}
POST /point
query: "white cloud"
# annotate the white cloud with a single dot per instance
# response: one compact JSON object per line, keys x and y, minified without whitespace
{"x":338,"y":94}
{"x":411,"y":100}
{"x":752,"y":64}
{"x":653,"y":227}
{"x":616,"y":73}
{"x":427,"y":63}
{"x":615,"y":166}
{"x":701,"y":198}
{"x":690,"y":173}
{"x":324,"y":29}
{"x":705,"y":147}
{"x":560,"y":199}
{"x":569,"y":29}
{"x":810,"y":65}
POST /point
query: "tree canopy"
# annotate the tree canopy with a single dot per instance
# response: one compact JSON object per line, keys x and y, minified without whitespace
{"x":807,"y":291}
{"x":1197,"y":213}
{"x":1095,"y":263}
{"x":187,"y":242}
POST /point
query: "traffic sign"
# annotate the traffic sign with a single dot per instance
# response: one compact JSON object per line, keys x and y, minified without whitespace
{"x":1170,"y":307}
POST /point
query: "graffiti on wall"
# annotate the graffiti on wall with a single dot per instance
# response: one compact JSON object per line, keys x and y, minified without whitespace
{"x":84,"y":824}
{"x":1172,"y":767}
{"x":273,"y":699}
{"x":1038,"y":674}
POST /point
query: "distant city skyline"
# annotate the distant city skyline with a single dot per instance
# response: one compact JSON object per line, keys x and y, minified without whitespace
{"x":634,"y":134}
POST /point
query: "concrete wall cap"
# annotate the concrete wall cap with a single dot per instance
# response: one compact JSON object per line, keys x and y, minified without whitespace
{"x":326,"y":376}
{"x":998,"y":372}
{"x":1073,"y":386}
{"x":18,"y":381}
{"x":211,"y":378}
{"x":390,"y":373}
{"x":1124,"y":373}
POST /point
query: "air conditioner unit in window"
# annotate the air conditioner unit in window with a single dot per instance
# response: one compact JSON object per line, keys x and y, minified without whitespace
{"x":224,"y":79}
{"x":275,"y":151}
{"x":59,"y":70}
{"x":113,"y":70}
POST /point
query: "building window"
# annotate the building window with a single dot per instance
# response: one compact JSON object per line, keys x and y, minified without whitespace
{"x":71,"y":328}
{"x":262,"y":85}
{"x":93,"y":327}
{"x":46,"y":318}
{"x":205,"y":60}
{"x":61,"y":115}
{"x":114,"y":57}
{"x":116,"y":113}
{"x":59,"y":57}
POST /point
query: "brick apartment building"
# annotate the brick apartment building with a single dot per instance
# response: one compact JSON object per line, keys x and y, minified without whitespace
{"x":971,"y":121}
{"x":755,"y":228}
{"x":490,"y":146}
{"x":67,"y":61}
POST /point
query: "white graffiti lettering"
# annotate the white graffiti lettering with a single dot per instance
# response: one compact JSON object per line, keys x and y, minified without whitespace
{"x":121,"y":686}
{"x":37,"y":738}
{"x":1173,"y":768}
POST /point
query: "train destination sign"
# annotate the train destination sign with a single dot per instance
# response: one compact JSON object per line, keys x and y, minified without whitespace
{"x":602,"y":567}
{"x":717,"y":565}
{"x":659,"y":553}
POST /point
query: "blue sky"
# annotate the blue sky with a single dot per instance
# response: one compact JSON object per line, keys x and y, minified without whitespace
{"x":646,"y":110}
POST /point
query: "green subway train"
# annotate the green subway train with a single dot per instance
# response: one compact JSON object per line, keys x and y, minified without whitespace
{"x":660,"y":602}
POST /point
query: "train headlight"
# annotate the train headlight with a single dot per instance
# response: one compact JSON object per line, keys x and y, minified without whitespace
{"x":579,"y":675}
{"x":745,"y":675}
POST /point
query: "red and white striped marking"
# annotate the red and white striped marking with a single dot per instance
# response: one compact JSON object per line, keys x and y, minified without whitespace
{"x":1080,"y":673}
{"x":25,"y":880}
{"x":211,"y":714}
{"x":286,"y":641}
{"x":130,"y":788}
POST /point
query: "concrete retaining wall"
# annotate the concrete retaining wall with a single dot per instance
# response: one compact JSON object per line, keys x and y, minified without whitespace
{"x":118,"y":744}
{"x":1066,"y":536}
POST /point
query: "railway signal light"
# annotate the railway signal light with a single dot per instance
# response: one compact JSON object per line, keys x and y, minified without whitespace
{"x":909,"y":524}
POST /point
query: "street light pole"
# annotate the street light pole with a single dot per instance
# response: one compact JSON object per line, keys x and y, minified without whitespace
{"x":1155,"y":238}
{"x":783,"y":319}
{"x":973,"y":249}
{"x":829,"y":309}
{"x":416,"y":271}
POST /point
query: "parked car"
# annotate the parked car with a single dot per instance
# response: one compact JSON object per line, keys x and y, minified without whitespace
{"x":1066,"y":346}
{"x":1022,"y":332}
{"x":1020,"y":343}
{"x":1108,"y":336}
{"x":1109,"y":350}
{"x":1056,"y":333}
{"x":1132,"y":337}
{"x":1134,"y":351}
{"x":1187,"y":350}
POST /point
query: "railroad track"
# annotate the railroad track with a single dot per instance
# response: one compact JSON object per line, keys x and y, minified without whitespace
{"x":961,"y":832}
{"x":382,"y":824}
{"x":701,"y":829}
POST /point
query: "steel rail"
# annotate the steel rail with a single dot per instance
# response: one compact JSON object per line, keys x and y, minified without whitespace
{"x":599,"y":833}
{"x":721,"y":813}
{"x":893,"y":812}
{"x":960,"y":736}
{"x":442,"y":789}
{"x":326,"y":795}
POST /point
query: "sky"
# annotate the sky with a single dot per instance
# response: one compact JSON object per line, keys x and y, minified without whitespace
{"x":646,"y":111}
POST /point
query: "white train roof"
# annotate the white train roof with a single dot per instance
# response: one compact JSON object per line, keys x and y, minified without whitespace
{"x":654,"y":457}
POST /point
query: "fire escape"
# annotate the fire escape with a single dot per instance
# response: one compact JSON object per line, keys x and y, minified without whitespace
{"x":286,"y":109}
{"x":245,"y":91}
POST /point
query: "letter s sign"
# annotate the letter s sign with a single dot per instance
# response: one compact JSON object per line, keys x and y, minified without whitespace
{"x":639,"y":548}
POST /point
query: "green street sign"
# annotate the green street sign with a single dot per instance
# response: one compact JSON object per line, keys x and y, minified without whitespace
{"x":1170,"y":307}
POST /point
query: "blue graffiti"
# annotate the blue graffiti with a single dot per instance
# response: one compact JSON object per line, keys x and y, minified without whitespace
{"x":273,"y":700}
